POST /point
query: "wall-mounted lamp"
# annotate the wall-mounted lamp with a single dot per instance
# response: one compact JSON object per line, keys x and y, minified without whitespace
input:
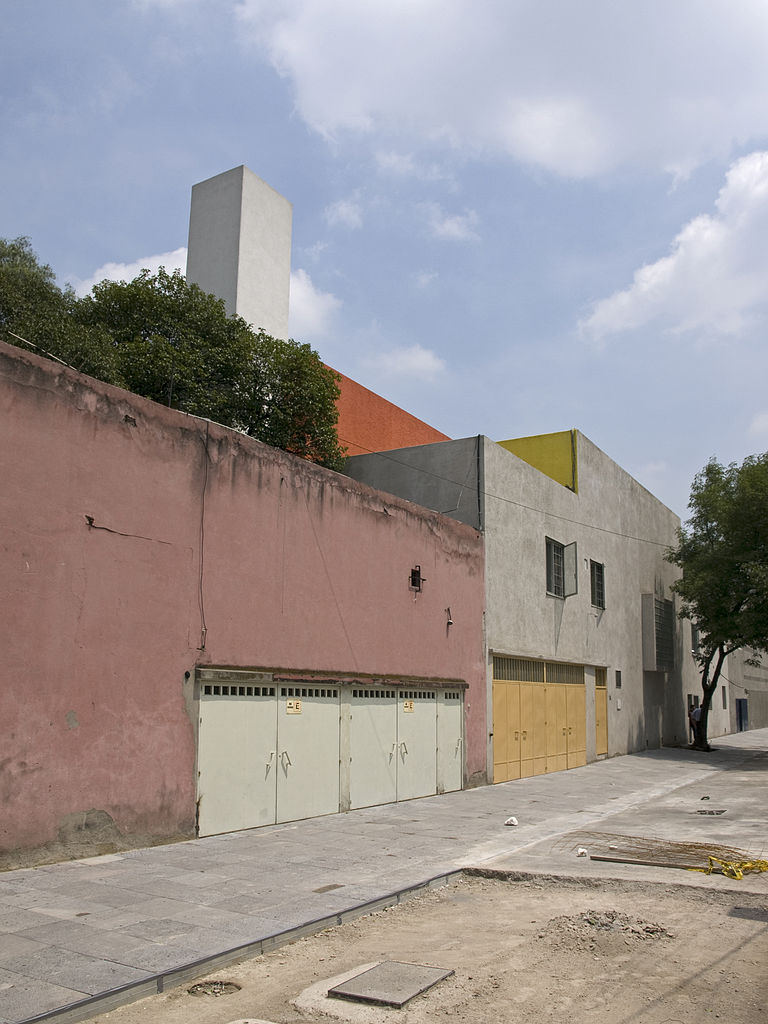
{"x":450,"y":620}
{"x":416,"y":579}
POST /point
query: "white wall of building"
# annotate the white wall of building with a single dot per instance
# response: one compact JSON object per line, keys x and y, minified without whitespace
{"x":240,"y":247}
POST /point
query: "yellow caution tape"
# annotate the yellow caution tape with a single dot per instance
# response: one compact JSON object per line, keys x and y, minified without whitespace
{"x":733,"y":868}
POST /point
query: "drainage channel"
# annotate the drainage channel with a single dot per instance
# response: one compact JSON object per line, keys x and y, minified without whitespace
{"x":158,"y":983}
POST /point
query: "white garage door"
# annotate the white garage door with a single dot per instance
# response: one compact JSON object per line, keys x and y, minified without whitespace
{"x":236,"y":768}
{"x":404,"y":744}
{"x":272,"y":753}
{"x":308,"y":752}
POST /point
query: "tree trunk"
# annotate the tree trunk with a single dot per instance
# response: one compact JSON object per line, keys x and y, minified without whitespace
{"x":708,"y":687}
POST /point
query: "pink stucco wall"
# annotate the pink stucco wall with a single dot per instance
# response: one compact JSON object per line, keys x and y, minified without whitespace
{"x":125,"y":529}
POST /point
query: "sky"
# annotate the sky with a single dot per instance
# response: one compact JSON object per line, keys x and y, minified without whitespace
{"x":510,"y":217}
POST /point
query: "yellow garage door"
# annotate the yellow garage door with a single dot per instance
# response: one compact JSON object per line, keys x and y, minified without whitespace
{"x":539,"y":718}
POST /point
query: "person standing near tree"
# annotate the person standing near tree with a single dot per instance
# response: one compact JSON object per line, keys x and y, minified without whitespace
{"x":694,"y":718}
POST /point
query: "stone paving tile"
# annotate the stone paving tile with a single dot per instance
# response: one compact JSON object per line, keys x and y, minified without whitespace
{"x":203,"y":941}
{"x":13,"y":945}
{"x":16,"y":919}
{"x":61,"y":906}
{"x":83,"y":938}
{"x":251,"y":905}
{"x":73,"y":970}
{"x":226,"y":921}
{"x":199,"y":878}
{"x":26,"y":997}
{"x":97,"y":892}
{"x":10,"y":889}
{"x":215,"y":898}
{"x":165,"y":888}
{"x":158,"y":929}
{"x":155,"y":958}
{"x":142,"y":910}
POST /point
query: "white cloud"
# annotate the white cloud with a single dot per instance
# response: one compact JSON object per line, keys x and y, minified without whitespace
{"x":311,"y":312}
{"x":401,"y":164}
{"x":579,"y":89}
{"x":346,"y":212}
{"x":411,"y":361}
{"x":404,"y":165}
{"x":457,"y":227}
{"x":174,"y":260}
{"x":759,"y":425}
{"x":715,"y":278}
{"x":425,"y":278}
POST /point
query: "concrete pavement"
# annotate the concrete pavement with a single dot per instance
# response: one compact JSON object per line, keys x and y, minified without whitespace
{"x":81,"y":937}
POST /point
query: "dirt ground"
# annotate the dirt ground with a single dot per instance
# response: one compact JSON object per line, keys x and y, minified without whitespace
{"x":546,"y":952}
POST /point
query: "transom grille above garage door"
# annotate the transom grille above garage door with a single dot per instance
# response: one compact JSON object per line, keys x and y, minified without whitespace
{"x":211,"y":690}
{"x":307,"y":691}
{"x":528,"y":670}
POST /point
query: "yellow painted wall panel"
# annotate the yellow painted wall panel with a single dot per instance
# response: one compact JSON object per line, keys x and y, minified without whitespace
{"x":555,"y":455}
{"x":557,"y":728}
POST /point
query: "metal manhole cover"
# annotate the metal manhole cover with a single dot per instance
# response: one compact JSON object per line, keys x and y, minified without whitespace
{"x":390,"y":983}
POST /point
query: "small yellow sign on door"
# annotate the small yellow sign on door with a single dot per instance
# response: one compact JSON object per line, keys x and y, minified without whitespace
{"x":293,"y":707}
{"x":407,"y":705}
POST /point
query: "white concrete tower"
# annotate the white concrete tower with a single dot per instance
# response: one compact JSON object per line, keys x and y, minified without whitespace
{"x":240,"y":247}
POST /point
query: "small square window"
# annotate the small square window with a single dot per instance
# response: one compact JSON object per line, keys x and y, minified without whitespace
{"x":618,"y":678}
{"x":597,"y":579}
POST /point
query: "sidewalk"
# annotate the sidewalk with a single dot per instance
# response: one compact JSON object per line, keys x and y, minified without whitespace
{"x":79,"y":938}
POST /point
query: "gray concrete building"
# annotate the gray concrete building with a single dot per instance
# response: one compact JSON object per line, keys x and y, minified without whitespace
{"x":240,"y":247}
{"x":747,"y":700}
{"x":586,"y":655}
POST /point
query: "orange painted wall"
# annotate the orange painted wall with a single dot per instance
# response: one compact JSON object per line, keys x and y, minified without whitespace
{"x":369,"y":423}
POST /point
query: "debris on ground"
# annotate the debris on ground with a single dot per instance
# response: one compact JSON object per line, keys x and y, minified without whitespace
{"x":511,"y":821}
{"x":733,"y":868}
{"x":655,"y":852}
{"x":601,"y":932}
{"x":213,"y":988}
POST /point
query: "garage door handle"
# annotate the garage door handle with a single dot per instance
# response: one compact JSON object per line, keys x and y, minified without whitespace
{"x":404,"y":747}
{"x":285,"y":758}
{"x":392,"y":751}
{"x":517,"y":735}
{"x":525,"y":734}
{"x":271,"y":757}
{"x":458,"y":746}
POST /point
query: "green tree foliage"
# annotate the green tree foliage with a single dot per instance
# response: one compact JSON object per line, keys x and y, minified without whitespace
{"x":34,"y":308}
{"x":171,"y":342}
{"x":723,"y":553}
